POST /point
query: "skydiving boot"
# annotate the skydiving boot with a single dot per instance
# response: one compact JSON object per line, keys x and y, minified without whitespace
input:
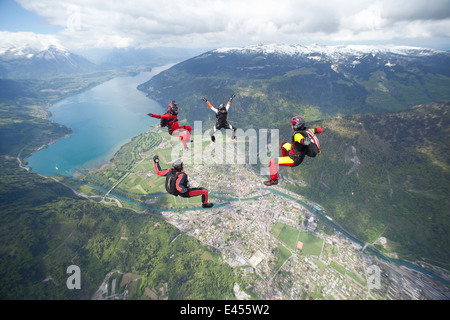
{"x":271,"y":182}
{"x":207,"y":205}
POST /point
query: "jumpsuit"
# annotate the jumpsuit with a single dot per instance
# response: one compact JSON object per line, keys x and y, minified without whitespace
{"x":184,"y":132}
{"x":292,"y":154}
{"x":221,"y":121}
{"x":182,"y":185}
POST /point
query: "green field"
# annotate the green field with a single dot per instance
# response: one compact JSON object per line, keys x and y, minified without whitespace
{"x":312,"y":245}
{"x":283,"y":255}
{"x":286,"y":234}
{"x":290,"y":236}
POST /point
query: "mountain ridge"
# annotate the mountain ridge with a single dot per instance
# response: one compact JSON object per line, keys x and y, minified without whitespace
{"x":30,"y":61}
{"x":330,"y":51}
{"x":301,"y":84}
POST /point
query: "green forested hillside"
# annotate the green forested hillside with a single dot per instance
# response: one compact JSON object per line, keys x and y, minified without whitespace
{"x":386,"y":175}
{"x":46,"y":228}
{"x":271,"y":87}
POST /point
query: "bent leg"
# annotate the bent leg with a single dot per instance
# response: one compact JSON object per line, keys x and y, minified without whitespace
{"x":187,"y":131}
{"x":233,"y":128}
{"x":285,"y":148}
{"x":276,"y":162}
{"x":233,"y":134}
{"x":199,"y":191}
{"x":212,"y":132}
{"x":183,"y":134}
{"x":188,"y":128}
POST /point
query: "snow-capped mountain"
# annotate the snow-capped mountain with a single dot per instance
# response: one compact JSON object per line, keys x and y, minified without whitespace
{"x":331,"y":52}
{"x":339,"y":55}
{"x":26,"y":44}
{"x":36,"y":56}
{"x":273,"y":80}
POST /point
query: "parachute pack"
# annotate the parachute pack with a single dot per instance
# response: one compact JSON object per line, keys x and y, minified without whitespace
{"x":171,"y":181}
{"x":164,"y":122}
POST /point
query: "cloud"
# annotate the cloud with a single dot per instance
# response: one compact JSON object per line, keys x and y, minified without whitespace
{"x":208,"y":23}
{"x":23,"y":40}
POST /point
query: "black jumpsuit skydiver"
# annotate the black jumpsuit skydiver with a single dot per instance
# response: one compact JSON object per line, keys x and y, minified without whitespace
{"x":222,"y":116}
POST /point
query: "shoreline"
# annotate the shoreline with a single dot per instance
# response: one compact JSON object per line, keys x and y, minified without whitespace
{"x":132,"y":73}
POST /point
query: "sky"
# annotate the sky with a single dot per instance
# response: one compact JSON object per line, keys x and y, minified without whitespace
{"x":81,"y":24}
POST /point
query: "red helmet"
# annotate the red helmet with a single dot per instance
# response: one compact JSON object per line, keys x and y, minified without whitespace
{"x":298,"y":123}
{"x":172,"y":107}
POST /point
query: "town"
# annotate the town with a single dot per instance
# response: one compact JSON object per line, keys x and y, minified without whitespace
{"x":243,"y":233}
{"x":279,"y":248}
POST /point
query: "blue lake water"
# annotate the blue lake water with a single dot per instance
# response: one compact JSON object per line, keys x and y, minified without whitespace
{"x":102,"y":120}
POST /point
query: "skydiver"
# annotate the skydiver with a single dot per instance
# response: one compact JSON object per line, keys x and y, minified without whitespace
{"x":222,"y":116}
{"x":180,"y":186}
{"x":304,"y":143}
{"x":170,"y":120}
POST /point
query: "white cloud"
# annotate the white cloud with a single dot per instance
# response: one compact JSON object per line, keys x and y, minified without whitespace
{"x":23,"y":40}
{"x":209,"y":23}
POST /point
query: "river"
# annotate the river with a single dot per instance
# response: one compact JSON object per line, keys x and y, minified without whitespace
{"x":102,"y":120}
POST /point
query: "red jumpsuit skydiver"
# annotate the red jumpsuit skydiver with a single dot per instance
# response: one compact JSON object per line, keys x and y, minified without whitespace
{"x":182,"y":183}
{"x":184,"y":132}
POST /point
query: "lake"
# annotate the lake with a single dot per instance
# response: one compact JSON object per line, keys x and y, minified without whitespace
{"x":102,"y":120}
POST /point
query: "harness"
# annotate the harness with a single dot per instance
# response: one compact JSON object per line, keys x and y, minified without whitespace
{"x":222,"y":117}
{"x":171,"y":182}
{"x":295,"y":153}
{"x":169,"y":123}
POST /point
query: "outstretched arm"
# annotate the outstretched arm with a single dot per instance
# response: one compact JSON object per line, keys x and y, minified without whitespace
{"x":229,"y":101}
{"x":158,"y":170}
{"x":157,"y":116}
{"x":210,"y":105}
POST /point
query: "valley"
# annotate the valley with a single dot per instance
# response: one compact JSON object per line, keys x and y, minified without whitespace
{"x":278,"y":245}
{"x":370,"y":175}
{"x":255,"y":243}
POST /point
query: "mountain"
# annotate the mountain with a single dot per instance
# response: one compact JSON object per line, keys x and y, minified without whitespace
{"x":275,"y":82}
{"x":24,"y":61}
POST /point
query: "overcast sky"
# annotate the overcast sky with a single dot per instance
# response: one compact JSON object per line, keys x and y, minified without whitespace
{"x":220,"y":23}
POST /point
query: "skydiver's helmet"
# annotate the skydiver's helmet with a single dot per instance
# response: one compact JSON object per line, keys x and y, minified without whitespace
{"x":222,"y":108}
{"x":298,"y":123}
{"x":178,"y":165}
{"x":173,"y":109}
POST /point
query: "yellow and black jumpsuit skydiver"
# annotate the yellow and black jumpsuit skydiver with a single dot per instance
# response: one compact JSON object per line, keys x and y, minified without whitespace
{"x":304,"y":143}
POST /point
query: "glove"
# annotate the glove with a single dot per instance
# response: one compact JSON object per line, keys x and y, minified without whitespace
{"x":150,"y":114}
{"x":156,"y":158}
{"x":204,"y":99}
{"x":306,"y":141}
{"x":319,"y":130}
{"x":232,"y":96}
